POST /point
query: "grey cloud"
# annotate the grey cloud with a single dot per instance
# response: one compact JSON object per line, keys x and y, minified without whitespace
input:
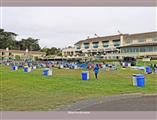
{"x":63,"y":26}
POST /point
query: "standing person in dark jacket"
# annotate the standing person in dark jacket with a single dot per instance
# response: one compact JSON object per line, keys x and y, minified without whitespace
{"x":96,"y":71}
{"x":154,"y":68}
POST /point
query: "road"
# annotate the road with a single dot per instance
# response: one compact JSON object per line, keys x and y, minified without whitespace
{"x":143,"y":103}
{"x":128,"y":102}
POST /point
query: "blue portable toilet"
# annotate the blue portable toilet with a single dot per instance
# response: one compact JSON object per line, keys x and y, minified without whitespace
{"x":47,"y":72}
{"x":126,"y":64}
{"x":85,"y":75}
{"x":138,"y":80}
{"x":14,"y":67}
{"x":148,"y":70}
{"x":27,"y":69}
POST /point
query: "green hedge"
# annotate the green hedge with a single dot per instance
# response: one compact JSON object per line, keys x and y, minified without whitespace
{"x":145,"y":63}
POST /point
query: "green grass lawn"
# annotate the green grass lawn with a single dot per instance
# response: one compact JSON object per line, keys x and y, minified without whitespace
{"x":146,"y":63}
{"x":34,"y":92}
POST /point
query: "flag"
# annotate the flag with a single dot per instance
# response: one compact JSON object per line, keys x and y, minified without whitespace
{"x":96,"y":34}
{"x":119,"y":32}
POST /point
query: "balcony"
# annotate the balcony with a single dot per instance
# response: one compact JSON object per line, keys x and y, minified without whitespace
{"x":86,"y":47}
{"x":105,"y":46}
{"x":117,"y":45}
{"x":95,"y":46}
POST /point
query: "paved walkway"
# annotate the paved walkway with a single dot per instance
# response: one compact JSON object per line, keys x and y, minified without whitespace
{"x":126,"y":102}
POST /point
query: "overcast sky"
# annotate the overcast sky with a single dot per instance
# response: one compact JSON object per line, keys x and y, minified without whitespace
{"x":64,"y":26}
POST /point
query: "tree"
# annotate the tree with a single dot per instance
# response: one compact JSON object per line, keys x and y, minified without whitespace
{"x":52,"y":51}
{"x":30,"y":44}
{"x":17,"y":57}
{"x":7,"y":39}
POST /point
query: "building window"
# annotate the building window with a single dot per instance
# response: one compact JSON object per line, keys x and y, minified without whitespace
{"x":150,"y":49}
{"x":116,"y":43}
{"x":125,"y":50}
{"x":141,"y":40}
{"x":155,"y":48}
{"x":95,"y":44}
{"x":3,"y":53}
{"x":10,"y":54}
{"x":136,"y":49}
{"x":105,"y":44}
{"x":86,"y":45}
{"x":122,"y":50}
{"x":78,"y":47}
{"x":139,"y":49}
{"x":155,"y":39}
{"x":142,"y":49}
{"x":128,"y":41}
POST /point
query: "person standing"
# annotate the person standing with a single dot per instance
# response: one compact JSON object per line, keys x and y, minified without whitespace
{"x":155,"y":68}
{"x":96,"y":71}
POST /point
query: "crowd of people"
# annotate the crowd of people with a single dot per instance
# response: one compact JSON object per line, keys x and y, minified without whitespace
{"x":70,"y":65}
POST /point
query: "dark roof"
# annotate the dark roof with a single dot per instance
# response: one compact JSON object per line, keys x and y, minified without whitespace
{"x":126,"y":36}
{"x":146,"y":33}
{"x":140,"y":45}
{"x":140,"y":35}
{"x":96,"y":39}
